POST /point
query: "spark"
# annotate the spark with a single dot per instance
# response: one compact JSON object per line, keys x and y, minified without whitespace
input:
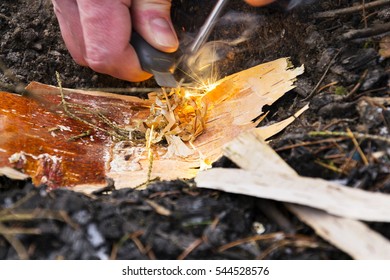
{"x":200,"y":89}
{"x":204,"y":77}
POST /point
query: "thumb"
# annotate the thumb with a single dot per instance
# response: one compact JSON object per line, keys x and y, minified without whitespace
{"x":152,"y":20}
{"x":259,"y":2}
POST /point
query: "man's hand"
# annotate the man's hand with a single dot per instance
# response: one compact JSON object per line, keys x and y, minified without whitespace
{"x":97,"y":32}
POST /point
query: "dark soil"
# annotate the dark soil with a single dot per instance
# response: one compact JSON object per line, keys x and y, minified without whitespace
{"x":197,"y":223}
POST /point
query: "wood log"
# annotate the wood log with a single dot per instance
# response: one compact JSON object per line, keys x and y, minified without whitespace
{"x":82,"y":150}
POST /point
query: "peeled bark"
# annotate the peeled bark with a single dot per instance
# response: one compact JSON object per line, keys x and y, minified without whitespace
{"x":94,"y":136}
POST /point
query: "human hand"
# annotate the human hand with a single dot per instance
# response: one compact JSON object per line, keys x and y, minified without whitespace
{"x":97,"y":33}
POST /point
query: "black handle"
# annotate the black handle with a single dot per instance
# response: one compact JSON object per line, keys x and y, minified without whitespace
{"x":151,"y":58}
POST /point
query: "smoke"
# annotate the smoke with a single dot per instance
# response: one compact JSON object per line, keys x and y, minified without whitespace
{"x":293,"y":3}
{"x":232,"y":29}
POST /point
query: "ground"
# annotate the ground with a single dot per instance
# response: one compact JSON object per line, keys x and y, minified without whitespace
{"x":342,"y":77}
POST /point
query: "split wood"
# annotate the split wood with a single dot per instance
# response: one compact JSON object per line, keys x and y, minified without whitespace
{"x":266,"y":175}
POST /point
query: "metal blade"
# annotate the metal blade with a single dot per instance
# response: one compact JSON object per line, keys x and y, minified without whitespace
{"x":156,"y":62}
{"x":207,"y":27}
{"x":165,"y":79}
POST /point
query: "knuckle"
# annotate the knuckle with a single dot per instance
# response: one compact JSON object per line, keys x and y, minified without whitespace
{"x":98,"y":65}
{"x":98,"y":60}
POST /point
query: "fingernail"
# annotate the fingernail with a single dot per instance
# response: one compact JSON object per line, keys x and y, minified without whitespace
{"x":164,"y":34}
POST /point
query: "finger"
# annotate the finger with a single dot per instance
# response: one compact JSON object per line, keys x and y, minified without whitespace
{"x":152,"y":20}
{"x":69,"y":20}
{"x":259,"y":2}
{"x":106,"y":27}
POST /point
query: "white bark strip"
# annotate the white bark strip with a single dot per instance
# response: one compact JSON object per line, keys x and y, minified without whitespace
{"x":317,"y":193}
{"x":266,"y":173}
{"x":12,"y":173}
{"x":351,"y":236}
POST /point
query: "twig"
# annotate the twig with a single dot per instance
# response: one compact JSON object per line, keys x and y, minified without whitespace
{"x":366,"y":32}
{"x":190,"y":248}
{"x":303,"y":144}
{"x":117,"y":245}
{"x":65,"y":106}
{"x":364,"y":10}
{"x":122,"y":132}
{"x":16,"y":244}
{"x":269,"y":236}
{"x":370,"y":16}
{"x":328,"y":85}
{"x":164,"y":194}
{"x":4,"y":17}
{"x":149,"y":140}
{"x":355,"y":134}
{"x":358,"y":85}
{"x":123,"y":90}
{"x":150,"y":253}
{"x":32,"y":215}
{"x":139,"y":245}
{"x":133,"y":237}
{"x":347,"y":163}
{"x":81,"y":135}
{"x":350,"y":10}
{"x":355,"y":142}
{"x":273,"y":213}
{"x":18,"y":230}
{"x":68,"y":220}
{"x":368,"y":92}
{"x":17,"y":204}
{"x":330,"y":167}
{"x":150,"y":154}
{"x":335,"y":122}
{"x":196,"y":243}
{"x":285,"y":243}
{"x":322,"y":78}
{"x":161,"y":210}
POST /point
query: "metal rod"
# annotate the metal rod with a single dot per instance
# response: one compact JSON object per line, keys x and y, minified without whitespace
{"x":207,"y":27}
